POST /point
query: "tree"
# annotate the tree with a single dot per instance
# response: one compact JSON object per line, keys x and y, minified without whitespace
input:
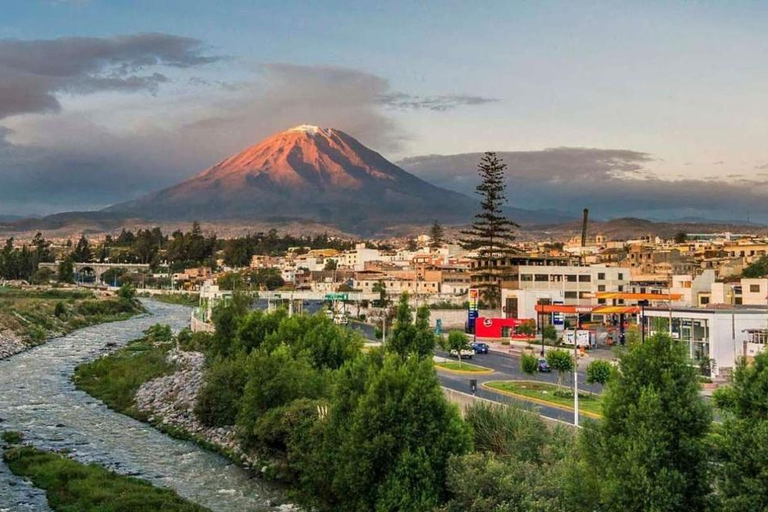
{"x":385,"y":441}
{"x":529,"y":364}
{"x":457,"y":341}
{"x":599,"y":371}
{"x":82,"y":252}
{"x":275,"y":379}
{"x":528,"y":328}
{"x":681,"y":237}
{"x":409,"y":337}
{"x":330,"y":264}
{"x":549,"y":332}
{"x":381,"y":289}
{"x":561,"y":361}
{"x":742,"y":478}
{"x":66,"y":272}
{"x":491,"y":233}
{"x":436,"y":236}
{"x":650,"y":450}
{"x":756,"y":269}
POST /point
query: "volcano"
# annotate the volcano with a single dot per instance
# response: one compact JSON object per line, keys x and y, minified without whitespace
{"x":307,"y":172}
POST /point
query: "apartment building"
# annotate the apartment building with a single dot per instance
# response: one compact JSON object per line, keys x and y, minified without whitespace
{"x":570,"y":285}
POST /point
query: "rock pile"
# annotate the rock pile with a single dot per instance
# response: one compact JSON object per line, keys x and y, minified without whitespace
{"x":170,"y":400}
{"x":11,"y":343}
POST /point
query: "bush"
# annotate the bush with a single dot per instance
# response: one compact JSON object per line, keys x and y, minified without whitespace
{"x":218,"y":402}
{"x":60,"y":310}
{"x":529,"y":364}
{"x":273,"y":380}
{"x":12,"y":437}
{"x":599,"y":371}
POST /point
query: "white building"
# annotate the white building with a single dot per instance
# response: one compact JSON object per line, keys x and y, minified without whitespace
{"x":356,"y":258}
{"x":577,"y":285}
{"x":722,"y":335}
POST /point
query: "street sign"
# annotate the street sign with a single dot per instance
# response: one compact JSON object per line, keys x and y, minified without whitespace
{"x":337,"y":296}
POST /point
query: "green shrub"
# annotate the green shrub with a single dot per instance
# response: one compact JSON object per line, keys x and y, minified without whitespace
{"x":12,"y":437}
{"x":218,"y":402}
{"x":72,"y":486}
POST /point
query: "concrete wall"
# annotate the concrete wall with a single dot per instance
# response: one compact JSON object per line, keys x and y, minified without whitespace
{"x":457,"y":318}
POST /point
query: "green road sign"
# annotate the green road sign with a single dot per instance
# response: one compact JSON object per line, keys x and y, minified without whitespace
{"x":337,"y":296}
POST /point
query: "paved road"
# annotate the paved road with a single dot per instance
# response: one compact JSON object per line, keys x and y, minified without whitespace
{"x":507,"y":366}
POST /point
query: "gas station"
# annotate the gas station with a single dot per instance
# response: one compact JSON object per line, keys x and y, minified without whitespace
{"x":615,"y":316}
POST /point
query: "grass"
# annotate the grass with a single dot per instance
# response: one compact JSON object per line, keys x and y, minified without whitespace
{"x":12,"y":437}
{"x":114,"y":379}
{"x":546,"y":392}
{"x":72,"y":486}
{"x":455,"y":366}
{"x":36,"y":315}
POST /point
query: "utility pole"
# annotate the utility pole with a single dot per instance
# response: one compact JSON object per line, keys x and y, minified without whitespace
{"x":576,"y":373}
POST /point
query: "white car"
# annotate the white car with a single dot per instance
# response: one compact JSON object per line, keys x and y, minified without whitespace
{"x":465,"y":353}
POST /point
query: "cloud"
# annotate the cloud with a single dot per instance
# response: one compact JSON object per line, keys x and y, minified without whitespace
{"x":403,"y":101}
{"x":611,"y":182}
{"x":34,"y":71}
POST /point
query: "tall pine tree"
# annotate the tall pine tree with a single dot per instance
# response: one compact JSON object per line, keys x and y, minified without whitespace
{"x":436,"y":236}
{"x":492,"y":233}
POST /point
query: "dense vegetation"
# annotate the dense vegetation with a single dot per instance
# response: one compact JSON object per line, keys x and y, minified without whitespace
{"x":350,"y":430}
{"x":39,"y":314}
{"x":21,"y":262}
{"x":72,"y":486}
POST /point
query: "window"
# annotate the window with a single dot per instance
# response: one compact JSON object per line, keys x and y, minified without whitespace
{"x":570,"y":278}
{"x":541,"y":278}
{"x":601,"y":301}
{"x":737,"y":301}
{"x":601,"y":287}
{"x":754,"y":288}
{"x":585,"y":278}
{"x":621,"y":287}
{"x":526,"y":277}
{"x":621,"y":276}
{"x":704,"y":301}
{"x":601,"y":276}
{"x":570,"y":295}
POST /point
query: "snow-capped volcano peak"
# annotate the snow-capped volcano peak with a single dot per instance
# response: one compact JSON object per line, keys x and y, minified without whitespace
{"x":305,"y":172}
{"x":307,"y":128}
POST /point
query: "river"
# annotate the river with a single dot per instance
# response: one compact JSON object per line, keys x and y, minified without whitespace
{"x":38,"y":398}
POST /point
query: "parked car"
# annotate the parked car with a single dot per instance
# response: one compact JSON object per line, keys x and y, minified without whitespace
{"x":543,"y":365}
{"x":480,"y":348}
{"x":465,"y":353}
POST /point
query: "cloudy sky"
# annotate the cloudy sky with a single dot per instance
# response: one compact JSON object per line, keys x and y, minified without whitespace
{"x":655,"y":109}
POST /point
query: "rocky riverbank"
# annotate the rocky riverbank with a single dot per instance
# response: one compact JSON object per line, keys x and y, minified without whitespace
{"x":11,"y":343}
{"x":169,"y":402}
